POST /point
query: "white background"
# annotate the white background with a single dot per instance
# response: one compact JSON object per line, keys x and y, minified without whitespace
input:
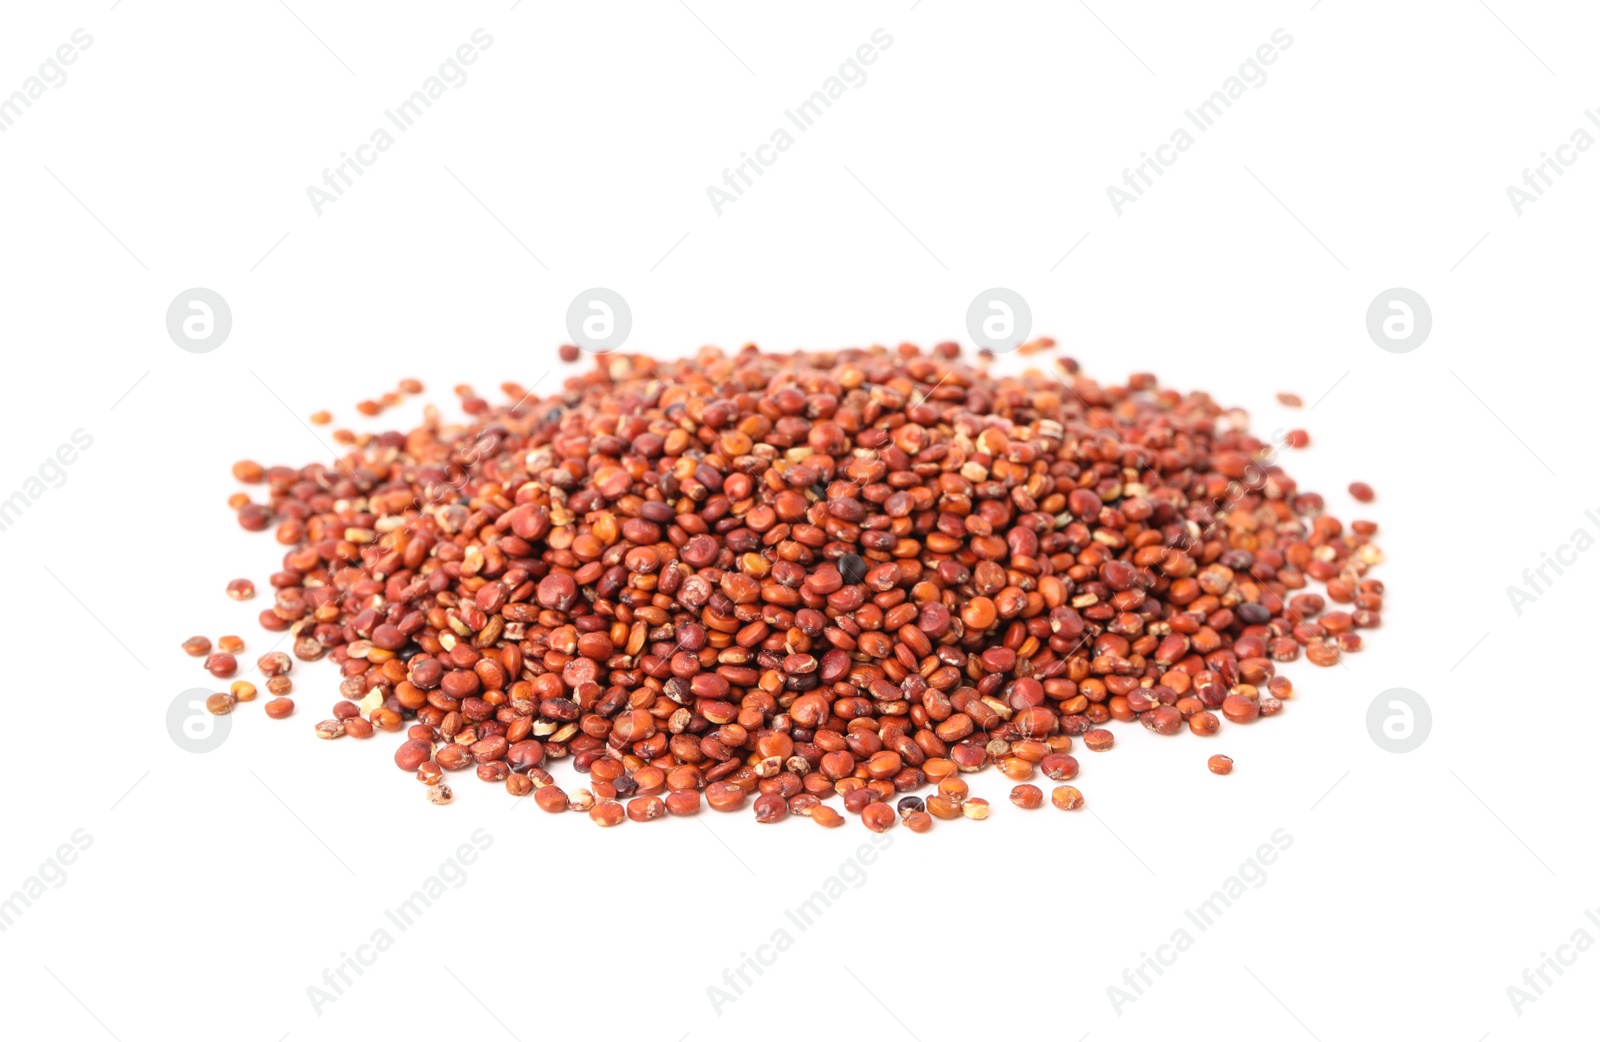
{"x":219,"y":887}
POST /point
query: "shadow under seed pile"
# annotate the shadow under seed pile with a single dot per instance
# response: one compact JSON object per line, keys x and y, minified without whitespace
{"x":795,"y":577}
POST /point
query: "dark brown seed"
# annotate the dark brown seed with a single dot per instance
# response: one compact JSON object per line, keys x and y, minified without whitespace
{"x":827,"y":817}
{"x":1239,"y":709}
{"x":724,"y":796}
{"x":411,"y":754}
{"x":274,"y":663}
{"x":453,"y":758}
{"x":550,"y":798}
{"x":1322,"y":653}
{"x":857,"y":800}
{"x":646,"y":808}
{"x":683,"y":803}
{"x":1163,"y":720}
{"x":1027,"y":796}
{"x":1060,"y":766}
{"x":879,"y":817}
{"x":804,"y":804}
{"x":494,"y":772}
{"x":1066,"y":797}
{"x":770,"y":808}
{"x":253,"y":517}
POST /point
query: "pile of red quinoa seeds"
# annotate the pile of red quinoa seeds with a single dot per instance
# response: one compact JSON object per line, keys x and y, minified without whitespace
{"x":803,"y":582}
